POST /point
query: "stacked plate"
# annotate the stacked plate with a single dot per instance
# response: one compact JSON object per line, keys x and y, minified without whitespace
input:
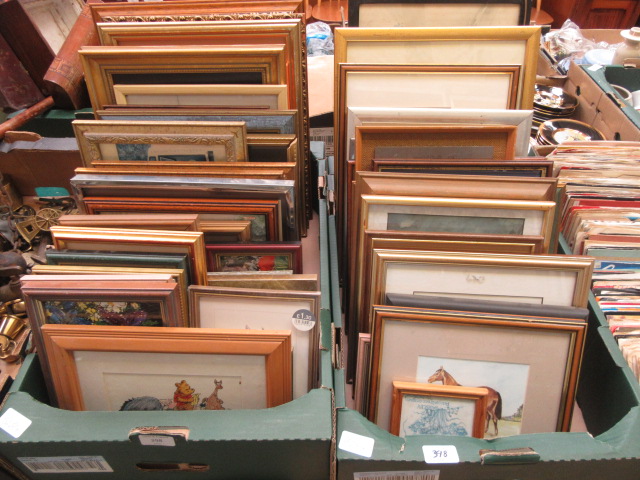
{"x":554,"y":132}
{"x":551,"y":103}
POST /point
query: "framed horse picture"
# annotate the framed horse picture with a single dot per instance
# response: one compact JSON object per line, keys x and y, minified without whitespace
{"x":528,"y":365}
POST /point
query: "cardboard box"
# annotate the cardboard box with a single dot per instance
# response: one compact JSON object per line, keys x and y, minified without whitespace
{"x":292,"y":441}
{"x":608,"y":396}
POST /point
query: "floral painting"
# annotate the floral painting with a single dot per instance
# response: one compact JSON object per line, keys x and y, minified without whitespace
{"x":74,"y":312}
{"x":253,"y":263}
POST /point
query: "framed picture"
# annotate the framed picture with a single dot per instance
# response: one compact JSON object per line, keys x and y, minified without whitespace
{"x":534,"y":279}
{"x":257,"y":31}
{"x":117,"y":259}
{"x":257,"y":121}
{"x":438,"y":13}
{"x":128,"y":141}
{"x":299,"y":312}
{"x":507,"y":168}
{"x":179,"y":275}
{"x":129,"y":240}
{"x":357,"y":116}
{"x":432,"y":409}
{"x":501,"y":140}
{"x":271,"y":97}
{"x":173,"y":189}
{"x":262,"y":215}
{"x":106,"y":66}
{"x":361,"y":386}
{"x":515,"y":45}
{"x":535,"y":382}
{"x":254,"y":257}
{"x":148,"y":221}
{"x":136,"y":368}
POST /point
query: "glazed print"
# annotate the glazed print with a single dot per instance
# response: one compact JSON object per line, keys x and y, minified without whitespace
{"x":73,"y":312}
{"x":432,"y":415}
{"x":184,"y":397}
{"x":253,"y":263}
{"x":507,"y":384}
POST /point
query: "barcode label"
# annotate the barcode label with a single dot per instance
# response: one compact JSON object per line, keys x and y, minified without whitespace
{"x":404,"y":475}
{"x":66,"y":464}
{"x":323,"y":135}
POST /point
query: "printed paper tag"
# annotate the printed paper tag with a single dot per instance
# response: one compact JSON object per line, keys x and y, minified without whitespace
{"x":357,"y":444}
{"x":402,"y":475}
{"x":595,"y":68}
{"x":157,"y":440}
{"x":14,"y":423}
{"x":440,"y":454}
{"x":303,"y":320}
{"x":92,"y":464}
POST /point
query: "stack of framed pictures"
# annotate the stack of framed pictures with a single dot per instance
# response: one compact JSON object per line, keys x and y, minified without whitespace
{"x":236,"y":82}
{"x":599,"y":218}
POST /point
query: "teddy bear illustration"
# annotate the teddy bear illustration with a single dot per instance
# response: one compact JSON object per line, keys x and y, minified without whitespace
{"x":184,"y":397}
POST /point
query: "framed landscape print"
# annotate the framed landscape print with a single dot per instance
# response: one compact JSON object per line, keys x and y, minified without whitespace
{"x":139,"y":368}
{"x":297,"y":311}
{"x":254,"y":257}
{"x":438,"y":13}
{"x":536,"y":381}
{"x":114,"y":141}
{"x":431,"y":409}
{"x":271,"y":97}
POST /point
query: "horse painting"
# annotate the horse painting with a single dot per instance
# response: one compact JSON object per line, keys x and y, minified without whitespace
{"x":494,"y":400}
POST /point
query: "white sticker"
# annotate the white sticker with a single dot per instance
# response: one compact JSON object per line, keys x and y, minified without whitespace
{"x":14,"y":423}
{"x":157,"y":440}
{"x":440,"y":454}
{"x":88,"y":464}
{"x":358,"y":444}
{"x":303,"y":319}
{"x":595,"y":68}
{"x":400,"y":475}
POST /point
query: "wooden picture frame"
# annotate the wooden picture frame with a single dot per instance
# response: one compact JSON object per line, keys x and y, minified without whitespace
{"x":363,"y":363}
{"x":439,"y":345}
{"x":143,"y":351}
{"x":425,"y":116}
{"x":129,"y":240}
{"x":304,"y":282}
{"x":269,"y":97}
{"x":148,"y":221}
{"x":180,"y":276}
{"x":461,"y":409}
{"x":438,"y":13}
{"x":115,"y":141}
{"x":265,"y":171}
{"x":298,"y":312}
{"x":106,"y":66}
{"x":500,"y":139}
{"x":254,"y":257}
{"x":77,"y":258}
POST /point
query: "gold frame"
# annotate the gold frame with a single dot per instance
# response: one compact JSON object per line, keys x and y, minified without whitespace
{"x":61,"y":343}
{"x":279,"y":92}
{"x":102,"y":63}
{"x":91,"y":134}
{"x":192,"y":243}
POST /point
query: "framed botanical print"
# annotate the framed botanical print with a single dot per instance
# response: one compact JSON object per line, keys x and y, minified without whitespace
{"x":534,"y":384}
{"x":254,"y":257}
{"x":432,"y":409}
{"x":297,"y":311}
{"x":129,"y":240}
{"x":163,"y":141}
{"x":438,"y":13}
{"x":139,"y":368}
